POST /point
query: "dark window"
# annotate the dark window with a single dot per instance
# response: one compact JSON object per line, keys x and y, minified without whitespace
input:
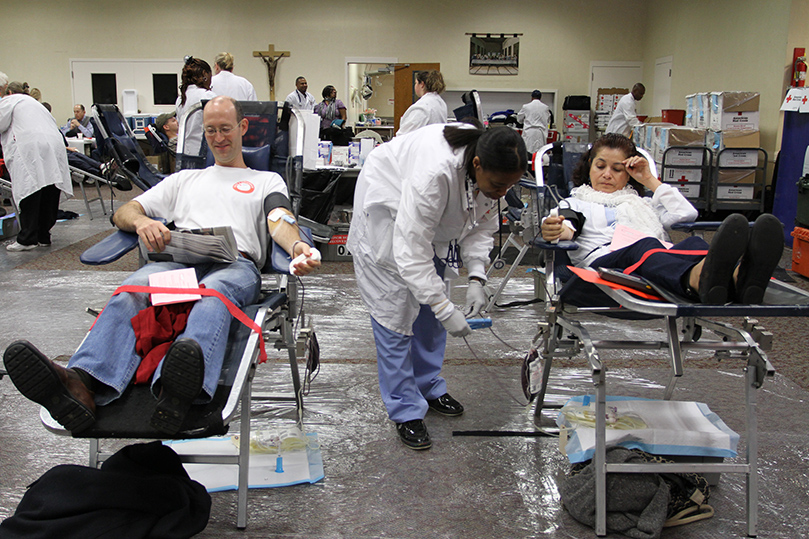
{"x":164,"y":87}
{"x":105,"y":89}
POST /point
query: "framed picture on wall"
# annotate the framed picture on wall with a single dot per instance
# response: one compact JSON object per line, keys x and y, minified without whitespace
{"x":494,"y":54}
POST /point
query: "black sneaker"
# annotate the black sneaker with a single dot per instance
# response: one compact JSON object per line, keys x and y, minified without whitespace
{"x":414,"y":434}
{"x":446,"y":405}
{"x":181,"y":379}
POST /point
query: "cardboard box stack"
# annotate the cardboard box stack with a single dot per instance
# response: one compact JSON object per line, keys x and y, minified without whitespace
{"x":734,"y":123}
{"x":576,"y":126}
{"x":606,"y":101}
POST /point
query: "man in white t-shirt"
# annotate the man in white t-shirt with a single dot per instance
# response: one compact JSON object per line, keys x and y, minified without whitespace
{"x":300,"y":98}
{"x":227,"y":194}
{"x":224,"y":82}
{"x":625,"y":116}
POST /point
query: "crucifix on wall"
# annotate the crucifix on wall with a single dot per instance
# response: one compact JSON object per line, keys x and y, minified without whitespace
{"x":271,"y":57}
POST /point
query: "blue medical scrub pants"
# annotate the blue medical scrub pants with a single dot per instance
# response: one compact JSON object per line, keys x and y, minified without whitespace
{"x":108,"y":352}
{"x":409,"y":366}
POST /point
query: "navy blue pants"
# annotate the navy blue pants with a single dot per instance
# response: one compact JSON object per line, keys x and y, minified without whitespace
{"x":667,"y":270}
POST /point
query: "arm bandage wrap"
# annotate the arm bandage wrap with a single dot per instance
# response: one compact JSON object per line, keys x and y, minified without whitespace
{"x":274,"y":206}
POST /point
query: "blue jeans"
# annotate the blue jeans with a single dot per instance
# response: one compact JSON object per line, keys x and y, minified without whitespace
{"x":108,"y":351}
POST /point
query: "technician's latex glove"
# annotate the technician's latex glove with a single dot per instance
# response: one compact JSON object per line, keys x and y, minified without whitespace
{"x":456,"y":325}
{"x":476,"y":299}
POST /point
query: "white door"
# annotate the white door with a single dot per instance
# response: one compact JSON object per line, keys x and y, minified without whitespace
{"x":662,"y":87}
{"x":613,"y":75}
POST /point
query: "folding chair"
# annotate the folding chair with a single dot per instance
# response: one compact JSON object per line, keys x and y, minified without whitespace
{"x":276,"y":311}
{"x":562,"y":334}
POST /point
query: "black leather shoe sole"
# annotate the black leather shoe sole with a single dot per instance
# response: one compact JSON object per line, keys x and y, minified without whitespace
{"x":417,"y":438}
{"x":181,"y":379}
{"x":34,"y":376}
{"x":451,"y":409}
{"x":727,"y":247}
{"x":763,"y":253}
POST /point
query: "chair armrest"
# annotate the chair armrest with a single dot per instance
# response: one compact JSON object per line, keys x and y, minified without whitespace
{"x":693,"y":227}
{"x":279,"y":259}
{"x":563,"y":245}
{"x":110,"y":248}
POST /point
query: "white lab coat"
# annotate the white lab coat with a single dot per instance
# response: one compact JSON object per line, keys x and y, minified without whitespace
{"x":535,"y":117}
{"x":301,"y":101}
{"x":409,"y":204}
{"x":33,"y":147}
{"x":429,"y":109}
{"x":624,"y":117}
{"x":193,"y":127}
{"x":239,"y":88}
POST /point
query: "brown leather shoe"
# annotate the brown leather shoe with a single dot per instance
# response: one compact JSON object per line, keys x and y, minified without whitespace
{"x":58,"y":389}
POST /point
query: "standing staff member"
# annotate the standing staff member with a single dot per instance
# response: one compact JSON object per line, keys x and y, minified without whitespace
{"x":34,"y":151}
{"x":423,"y":203}
{"x":430,"y":108}
{"x":535,"y":117}
{"x":625,"y":115}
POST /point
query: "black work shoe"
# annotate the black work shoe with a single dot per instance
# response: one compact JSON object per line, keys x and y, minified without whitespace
{"x":181,"y":379}
{"x":414,"y":434}
{"x":446,"y":405}
{"x":727,"y":247}
{"x":760,"y":260}
{"x":58,"y":389}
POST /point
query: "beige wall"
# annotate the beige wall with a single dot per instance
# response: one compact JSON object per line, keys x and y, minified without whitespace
{"x":716,"y":45}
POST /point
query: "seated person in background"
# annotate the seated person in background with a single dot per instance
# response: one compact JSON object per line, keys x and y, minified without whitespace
{"x":224,"y":82}
{"x":80,"y":123}
{"x":609,"y":180}
{"x":168,"y":126}
{"x":227,"y":194}
{"x":329,"y":110}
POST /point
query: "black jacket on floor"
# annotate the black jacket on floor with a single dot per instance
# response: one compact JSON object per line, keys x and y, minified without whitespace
{"x":141,"y":491}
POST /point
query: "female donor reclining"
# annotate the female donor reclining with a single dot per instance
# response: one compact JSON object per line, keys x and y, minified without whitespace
{"x":609,"y":181}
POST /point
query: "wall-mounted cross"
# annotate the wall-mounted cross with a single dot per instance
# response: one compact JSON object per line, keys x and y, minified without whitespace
{"x":271,"y":57}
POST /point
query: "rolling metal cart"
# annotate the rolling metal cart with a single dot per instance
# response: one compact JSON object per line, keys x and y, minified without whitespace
{"x":739,"y":180}
{"x":688,"y":168}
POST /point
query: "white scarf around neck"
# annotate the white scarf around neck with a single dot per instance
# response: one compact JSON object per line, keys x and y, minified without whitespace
{"x":631,"y":209}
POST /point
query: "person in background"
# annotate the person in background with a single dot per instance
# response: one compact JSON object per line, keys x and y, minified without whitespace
{"x":330,"y":109}
{"x":425,"y":204}
{"x":300,"y":98}
{"x":430,"y":108}
{"x":167,"y":125}
{"x":195,"y":86}
{"x":80,"y":123}
{"x":625,"y":115}
{"x":34,"y":151}
{"x":535,"y":117}
{"x":224,"y":82}
{"x":35,"y":93}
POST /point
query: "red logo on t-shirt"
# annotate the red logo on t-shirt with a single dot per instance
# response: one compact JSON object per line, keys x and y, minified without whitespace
{"x":244,"y":187}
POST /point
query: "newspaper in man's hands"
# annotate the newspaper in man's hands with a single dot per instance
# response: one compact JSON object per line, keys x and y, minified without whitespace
{"x":197,"y":246}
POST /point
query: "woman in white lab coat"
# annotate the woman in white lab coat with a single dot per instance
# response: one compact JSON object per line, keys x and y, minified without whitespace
{"x":425,"y":204}
{"x":430,"y":107}
{"x":34,"y":151}
{"x":195,"y":86}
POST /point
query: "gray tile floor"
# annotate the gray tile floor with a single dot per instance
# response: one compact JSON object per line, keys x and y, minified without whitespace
{"x":470,"y":487}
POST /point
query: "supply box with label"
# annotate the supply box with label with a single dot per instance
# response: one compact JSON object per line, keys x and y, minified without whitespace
{"x":668,"y":136}
{"x":698,"y":110}
{"x":744,"y":145}
{"x":734,"y":110}
{"x":335,"y":250}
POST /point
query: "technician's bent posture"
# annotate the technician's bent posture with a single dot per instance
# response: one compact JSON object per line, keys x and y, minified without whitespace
{"x":425,"y":204}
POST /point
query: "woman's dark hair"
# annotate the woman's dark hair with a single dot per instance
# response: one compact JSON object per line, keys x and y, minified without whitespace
{"x":500,"y":149}
{"x":614,"y":141}
{"x":194,"y":73}
{"x":327,"y":91}
{"x":433,"y":80}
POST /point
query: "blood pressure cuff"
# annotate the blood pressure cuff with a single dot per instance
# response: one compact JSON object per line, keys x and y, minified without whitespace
{"x":575,"y":218}
{"x":276,"y":200}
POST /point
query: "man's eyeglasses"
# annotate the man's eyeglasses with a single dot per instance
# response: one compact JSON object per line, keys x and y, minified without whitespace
{"x":225,"y":130}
